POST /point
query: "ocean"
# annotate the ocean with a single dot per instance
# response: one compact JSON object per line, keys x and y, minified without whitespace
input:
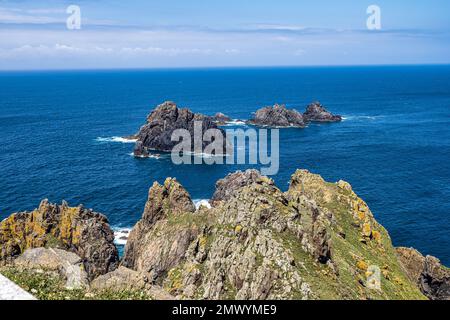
{"x":60,"y":138}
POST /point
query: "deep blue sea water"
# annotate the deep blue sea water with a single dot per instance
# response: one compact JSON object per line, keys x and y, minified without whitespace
{"x":393,"y":147}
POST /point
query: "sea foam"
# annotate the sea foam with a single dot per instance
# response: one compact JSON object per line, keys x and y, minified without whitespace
{"x":115,"y":139}
{"x":201,"y":202}
{"x":121,"y":235}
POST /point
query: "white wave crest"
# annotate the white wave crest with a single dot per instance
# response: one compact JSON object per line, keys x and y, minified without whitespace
{"x":115,"y":139}
{"x":151,"y":156}
{"x":235,"y":122}
{"x":121,"y":235}
{"x":201,"y":202}
{"x":362,"y":117}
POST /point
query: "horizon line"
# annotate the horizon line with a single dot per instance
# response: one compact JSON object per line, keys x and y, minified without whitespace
{"x":228,"y":67}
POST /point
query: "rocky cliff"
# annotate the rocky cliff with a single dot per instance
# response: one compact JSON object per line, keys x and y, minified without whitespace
{"x":318,"y":240}
{"x":431,"y":277}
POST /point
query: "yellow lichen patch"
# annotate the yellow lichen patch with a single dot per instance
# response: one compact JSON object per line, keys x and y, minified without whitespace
{"x":398,"y":281}
{"x":376,"y":235}
{"x":238,"y":229}
{"x":361,"y":215}
{"x":202,"y":241}
{"x":366,"y":229}
{"x":67,"y":218}
{"x":362,"y":265}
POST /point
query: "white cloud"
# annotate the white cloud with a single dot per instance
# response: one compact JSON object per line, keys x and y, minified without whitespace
{"x":38,"y":16}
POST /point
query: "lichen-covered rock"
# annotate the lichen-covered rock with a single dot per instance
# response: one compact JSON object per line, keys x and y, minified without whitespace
{"x":315,"y":112}
{"x":67,"y":264}
{"x":432,"y":278}
{"x":156,"y":134}
{"x":257,"y":242}
{"x":277,"y":116}
{"x":76,"y":229}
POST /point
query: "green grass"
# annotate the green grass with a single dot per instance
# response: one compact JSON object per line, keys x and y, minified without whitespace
{"x":49,"y":286}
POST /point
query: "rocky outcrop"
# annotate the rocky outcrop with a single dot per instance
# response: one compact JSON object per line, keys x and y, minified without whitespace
{"x":76,"y":229}
{"x":432,"y":278}
{"x":318,"y":240}
{"x":67,"y":264}
{"x":227,"y":187}
{"x":221,"y":119}
{"x":124,"y":279}
{"x":315,"y":112}
{"x":143,"y":252}
{"x":157,"y":132}
{"x":277,"y":116}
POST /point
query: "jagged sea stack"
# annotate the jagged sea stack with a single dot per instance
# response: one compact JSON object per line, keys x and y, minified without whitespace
{"x":315,"y":112}
{"x":277,"y":116}
{"x":156,"y":134}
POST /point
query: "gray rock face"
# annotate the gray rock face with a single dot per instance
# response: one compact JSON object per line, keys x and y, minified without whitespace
{"x":228,"y":186}
{"x":315,"y":112}
{"x":157,"y":257}
{"x":67,"y":264}
{"x":432,"y":278}
{"x":124,"y":279}
{"x":278,"y":116}
{"x":157,"y":132}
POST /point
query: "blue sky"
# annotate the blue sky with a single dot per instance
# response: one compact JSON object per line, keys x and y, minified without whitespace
{"x":202,"y":33}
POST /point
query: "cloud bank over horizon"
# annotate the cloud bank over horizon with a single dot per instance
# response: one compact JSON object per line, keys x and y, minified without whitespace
{"x":34,"y":35}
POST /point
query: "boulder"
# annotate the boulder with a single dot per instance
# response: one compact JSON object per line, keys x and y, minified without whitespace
{"x":277,"y":116}
{"x":120,"y":279}
{"x":315,"y":112}
{"x":76,"y":229}
{"x":67,"y":264}
{"x":124,"y":279}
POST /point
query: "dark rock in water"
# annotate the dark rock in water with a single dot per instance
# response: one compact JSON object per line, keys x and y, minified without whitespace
{"x":277,"y":116}
{"x":315,"y":112}
{"x":431,"y":277}
{"x":157,"y":132}
{"x":227,"y":187}
{"x":220,"y":119}
{"x":79,"y":230}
